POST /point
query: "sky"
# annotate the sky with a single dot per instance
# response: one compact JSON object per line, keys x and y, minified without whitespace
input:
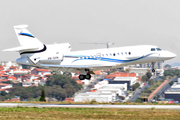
{"x":123,"y":22}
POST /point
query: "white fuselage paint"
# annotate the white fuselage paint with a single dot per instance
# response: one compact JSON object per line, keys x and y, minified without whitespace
{"x":59,"y":57}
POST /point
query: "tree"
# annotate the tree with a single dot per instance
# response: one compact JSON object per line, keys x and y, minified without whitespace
{"x":171,"y":83}
{"x":147,"y":91}
{"x":148,"y":74}
{"x":9,"y":82}
{"x":150,"y":81}
{"x":3,"y":93}
{"x":42,"y":96}
{"x":144,"y":78}
{"x":58,"y":86}
{"x":138,"y":100}
{"x":136,"y":85}
{"x":167,"y":66}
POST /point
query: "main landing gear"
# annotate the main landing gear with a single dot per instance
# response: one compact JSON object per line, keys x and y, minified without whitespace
{"x":85,"y":74}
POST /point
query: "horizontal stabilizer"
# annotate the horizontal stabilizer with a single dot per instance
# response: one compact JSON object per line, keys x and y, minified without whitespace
{"x":21,"y":48}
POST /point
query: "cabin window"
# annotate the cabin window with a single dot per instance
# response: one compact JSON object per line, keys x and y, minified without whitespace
{"x":129,"y":53}
{"x":114,"y":54}
{"x":110,"y":54}
{"x":153,"y":49}
{"x":122,"y":53}
{"x":106,"y":54}
{"x":158,"y":49}
{"x":117,"y":53}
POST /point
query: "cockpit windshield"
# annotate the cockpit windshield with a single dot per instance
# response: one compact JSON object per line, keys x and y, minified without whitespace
{"x":158,"y":49}
{"x":153,"y":49}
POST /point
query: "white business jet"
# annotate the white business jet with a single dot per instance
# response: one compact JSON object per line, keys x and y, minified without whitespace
{"x":58,"y":57}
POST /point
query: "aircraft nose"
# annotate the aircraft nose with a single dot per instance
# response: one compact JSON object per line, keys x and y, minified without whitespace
{"x":166,"y":55}
{"x":171,"y":55}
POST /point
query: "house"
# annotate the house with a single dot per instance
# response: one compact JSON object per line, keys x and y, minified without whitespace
{"x":38,"y":71}
{"x":17,"y":99}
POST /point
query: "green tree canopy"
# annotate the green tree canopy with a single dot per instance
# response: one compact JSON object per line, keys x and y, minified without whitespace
{"x":57,"y":86}
{"x":148,"y":74}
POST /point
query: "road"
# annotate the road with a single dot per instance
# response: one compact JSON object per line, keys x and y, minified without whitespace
{"x":166,"y":87}
{"x":91,"y":85}
{"x":91,"y":106}
{"x":138,"y":92}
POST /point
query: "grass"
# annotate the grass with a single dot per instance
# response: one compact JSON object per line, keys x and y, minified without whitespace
{"x":22,"y":113}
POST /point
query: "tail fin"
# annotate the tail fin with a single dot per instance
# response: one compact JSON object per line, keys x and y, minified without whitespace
{"x":25,"y":37}
{"x":27,"y":41}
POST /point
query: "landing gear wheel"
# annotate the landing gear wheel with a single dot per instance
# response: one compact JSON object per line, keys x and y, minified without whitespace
{"x":88,"y":76}
{"x":82,"y":77}
{"x":153,"y":70}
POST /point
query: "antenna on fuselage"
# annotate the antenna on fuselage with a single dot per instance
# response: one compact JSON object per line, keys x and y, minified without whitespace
{"x":107,"y":44}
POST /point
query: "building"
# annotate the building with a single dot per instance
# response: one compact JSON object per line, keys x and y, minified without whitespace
{"x":99,"y":96}
{"x":122,"y":80}
{"x":173,"y":92}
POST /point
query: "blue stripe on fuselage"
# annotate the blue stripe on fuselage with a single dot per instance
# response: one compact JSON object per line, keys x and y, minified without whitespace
{"x":108,"y":59}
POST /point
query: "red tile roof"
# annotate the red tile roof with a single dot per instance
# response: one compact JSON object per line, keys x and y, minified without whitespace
{"x":13,"y":67}
{"x":12,"y":77}
{"x":2,"y":72}
{"x":4,"y":84}
{"x":43,"y":70}
{"x":4,"y":75}
{"x":79,"y":81}
{"x":120,"y":74}
{"x":98,"y":72}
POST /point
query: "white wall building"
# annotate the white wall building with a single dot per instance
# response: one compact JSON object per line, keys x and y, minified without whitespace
{"x":132,"y":80}
{"x":99,"y":96}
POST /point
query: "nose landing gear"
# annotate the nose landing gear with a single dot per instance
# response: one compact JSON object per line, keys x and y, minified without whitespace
{"x":153,"y":70}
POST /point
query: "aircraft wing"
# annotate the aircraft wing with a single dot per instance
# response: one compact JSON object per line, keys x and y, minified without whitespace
{"x":75,"y":66}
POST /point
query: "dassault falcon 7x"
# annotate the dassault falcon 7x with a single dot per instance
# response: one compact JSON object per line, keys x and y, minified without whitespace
{"x":59,"y":57}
